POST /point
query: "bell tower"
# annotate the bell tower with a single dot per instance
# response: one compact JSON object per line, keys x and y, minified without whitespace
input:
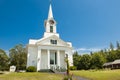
{"x":50,"y":24}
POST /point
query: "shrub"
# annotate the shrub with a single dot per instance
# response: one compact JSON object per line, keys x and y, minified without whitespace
{"x":31,"y":69}
{"x":67,"y":78}
{"x":73,"y":67}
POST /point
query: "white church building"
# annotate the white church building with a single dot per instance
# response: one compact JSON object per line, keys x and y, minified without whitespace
{"x":50,"y":50}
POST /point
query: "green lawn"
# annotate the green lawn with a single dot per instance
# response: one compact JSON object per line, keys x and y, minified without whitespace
{"x":90,"y":74}
{"x":99,"y":75}
{"x":31,"y":76}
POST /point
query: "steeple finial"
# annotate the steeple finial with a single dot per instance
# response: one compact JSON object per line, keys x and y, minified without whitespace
{"x":50,"y":14}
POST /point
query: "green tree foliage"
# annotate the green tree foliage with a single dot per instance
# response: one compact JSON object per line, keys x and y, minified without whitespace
{"x":3,"y":60}
{"x":118,"y":45}
{"x":84,"y":62}
{"x":111,"y":47}
{"x":95,"y":60}
{"x":67,"y":62}
{"x":76,"y":59}
{"x":18,"y":57}
{"x":111,"y":56}
{"x":117,"y":54}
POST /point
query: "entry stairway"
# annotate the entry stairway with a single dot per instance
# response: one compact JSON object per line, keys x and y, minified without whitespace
{"x":56,"y":69}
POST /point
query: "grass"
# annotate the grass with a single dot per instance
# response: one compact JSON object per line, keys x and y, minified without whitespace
{"x":90,"y":74}
{"x":99,"y":74}
{"x":31,"y":76}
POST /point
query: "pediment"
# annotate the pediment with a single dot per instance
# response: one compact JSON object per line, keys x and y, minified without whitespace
{"x":47,"y":41}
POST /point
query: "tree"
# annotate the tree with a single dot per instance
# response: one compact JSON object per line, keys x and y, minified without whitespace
{"x":117,"y":54}
{"x":18,"y":56}
{"x":97,"y":61}
{"x":111,"y":56}
{"x":3,"y":60}
{"x":118,"y":45}
{"x":68,"y":77}
{"x":76,"y":59}
{"x":67,"y":62}
{"x":84,"y":62}
{"x":111,"y":47}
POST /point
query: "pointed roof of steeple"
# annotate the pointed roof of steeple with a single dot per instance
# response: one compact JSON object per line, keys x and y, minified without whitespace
{"x":50,"y":14}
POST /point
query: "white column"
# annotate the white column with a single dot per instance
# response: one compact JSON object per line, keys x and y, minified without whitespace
{"x":38,"y":60}
{"x":48,"y":52}
{"x":28,"y":60}
{"x":66,"y":56}
{"x":58,"y":58}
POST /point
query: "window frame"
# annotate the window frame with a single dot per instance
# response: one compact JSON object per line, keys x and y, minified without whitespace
{"x":53,"y":42}
{"x":51,"y":29}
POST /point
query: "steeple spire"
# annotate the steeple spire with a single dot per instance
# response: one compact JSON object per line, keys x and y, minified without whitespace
{"x":50,"y":24}
{"x":50,"y":14}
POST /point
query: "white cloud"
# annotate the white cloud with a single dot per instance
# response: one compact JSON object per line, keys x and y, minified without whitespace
{"x":87,"y":50}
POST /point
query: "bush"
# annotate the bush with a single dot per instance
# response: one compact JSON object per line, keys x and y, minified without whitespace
{"x":31,"y":69}
{"x":67,"y":78}
{"x":73,"y":67}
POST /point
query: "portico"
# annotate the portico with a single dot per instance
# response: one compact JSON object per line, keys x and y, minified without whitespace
{"x":51,"y":57}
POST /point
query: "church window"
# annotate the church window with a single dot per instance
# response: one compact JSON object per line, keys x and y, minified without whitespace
{"x":53,"y":58}
{"x":51,"y":28}
{"x":53,"y":41}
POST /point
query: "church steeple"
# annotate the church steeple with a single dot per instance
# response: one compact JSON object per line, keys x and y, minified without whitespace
{"x":50,"y":14}
{"x":50,"y":24}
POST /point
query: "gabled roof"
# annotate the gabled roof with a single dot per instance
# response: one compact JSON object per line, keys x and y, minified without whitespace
{"x":116,"y":61}
{"x":41,"y":41}
{"x":107,"y":64}
{"x":111,"y":63}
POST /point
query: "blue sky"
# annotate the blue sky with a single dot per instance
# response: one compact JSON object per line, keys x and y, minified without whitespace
{"x":89,"y":24}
